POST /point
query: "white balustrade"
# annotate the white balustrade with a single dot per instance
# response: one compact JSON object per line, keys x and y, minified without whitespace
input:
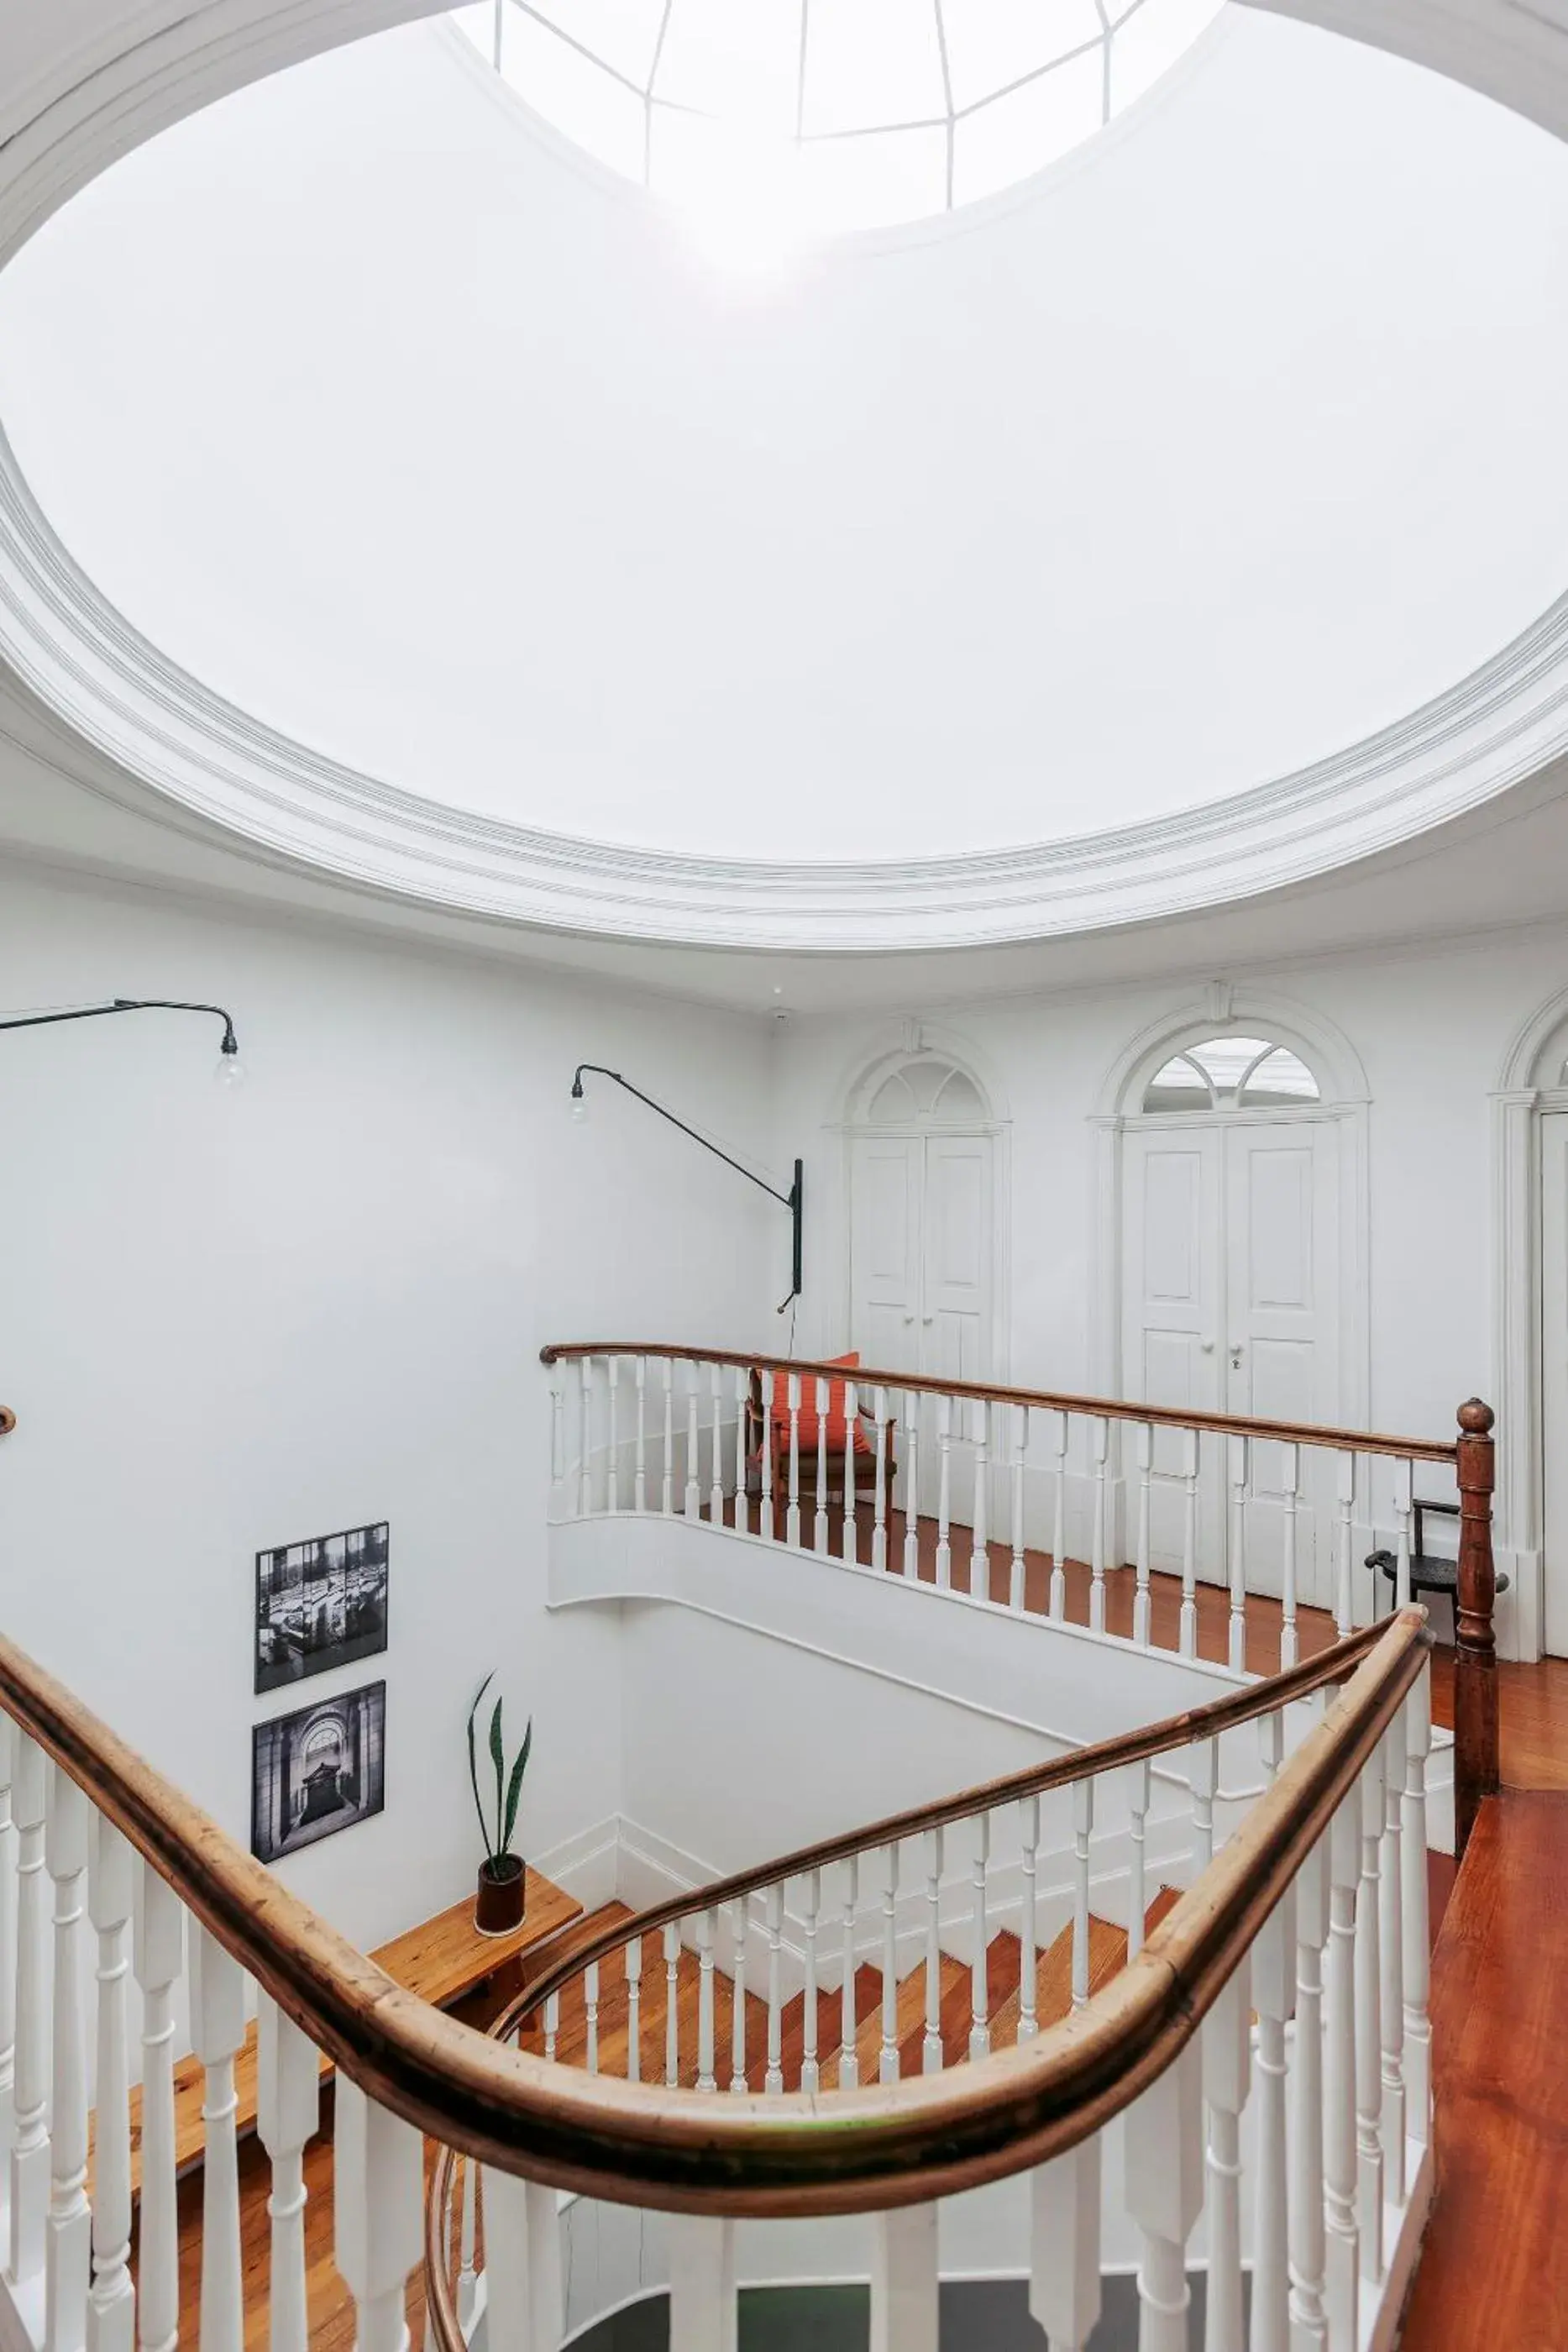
{"x":590,"y":2016}
{"x":667,"y":1477}
{"x":1391,"y":1957}
{"x":792,"y":1514}
{"x":715,"y":1467}
{"x":288,"y":2113}
{"x":1341,"y":2259}
{"x":29,"y":2166}
{"x":1020,"y":1450}
{"x":1057,"y":1602}
{"x":1029,"y":1864}
{"x":708,"y":2080}
{"x":158,"y":1959}
{"x":1273,"y":1992}
{"x":1290,"y":1508}
{"x":68,"y":2238}
{"x":1163,"y":2168}
{"x":8,"y":1934}
{"x":1414,"y":1952}
{"x":887,"y":2062}
{"x":1308,"y":2326}
{"x":931,"y":2051}
{"x":672,"y":2004}
{"x":1368,"y":2027}
{"x":819,"y":1530}
{"x":217,"y":2027}
{"x":111,"y":2304}
{"x":1227,"y":2081}
{"x":1236,"y":1549}
{"x":1098,"y":1524}
{"x":1137,"y":1784}
{"x":1187,"y":1638}
{"x":979,"y":1966}
{"x":910,"y":1483}
{"x":980,"y":1555}
{"x":738,"y":1925}
{"x":378,"y":2214}
{"x":1065,"y":2289}
{"x":849,"y":1532}
{"x":1082,"y":1831}
{"x":879,"y":1505}
{"x":640,"y":1455}
{"x":703,"y":2309}
{"x":1345,"y":1596}
{"x":903,"y":2281}
{"x":634,"y":2010}
{"x":694,"y":1495}
{"x":1142,"y":1612}
{"x":612,"y":1447}
{"x":811,"y":1904}
{"x":848,"y":2065}
{"x":944,"y":1492}
{"x":774,"y":2081}
{"x":1403,"y":1511}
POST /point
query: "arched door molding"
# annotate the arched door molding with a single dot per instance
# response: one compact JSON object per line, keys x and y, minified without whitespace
{"x":1344,"y":1099}
{"x":864,"y":1077}
{"x":1533,"y":1080}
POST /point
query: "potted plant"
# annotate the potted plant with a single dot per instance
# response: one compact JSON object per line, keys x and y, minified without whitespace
{"x":499,"y":1905}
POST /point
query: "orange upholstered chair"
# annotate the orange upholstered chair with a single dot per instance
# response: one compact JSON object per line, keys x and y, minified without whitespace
{"x":846,"y":1444}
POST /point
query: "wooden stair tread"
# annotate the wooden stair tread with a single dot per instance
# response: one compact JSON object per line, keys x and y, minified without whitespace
{"x":441,"y":1959}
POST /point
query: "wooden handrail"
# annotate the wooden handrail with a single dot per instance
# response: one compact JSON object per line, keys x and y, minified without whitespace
{"x":866,"y":1376}
{"x":1206,"y":1722}
{"x":688,"y":2151}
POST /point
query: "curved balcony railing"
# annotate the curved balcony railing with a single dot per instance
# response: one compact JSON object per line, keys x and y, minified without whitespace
{"x":1030,"y":1500}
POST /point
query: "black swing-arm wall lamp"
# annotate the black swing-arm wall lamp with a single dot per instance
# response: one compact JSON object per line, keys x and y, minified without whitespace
{"x":793,"y":1200}
{"x":228,"y":1052}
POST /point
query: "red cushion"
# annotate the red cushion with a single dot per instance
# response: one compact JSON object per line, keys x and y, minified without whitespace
{"x":808,"y":1409}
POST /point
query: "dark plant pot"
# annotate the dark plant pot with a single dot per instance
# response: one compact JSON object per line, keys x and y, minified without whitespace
{"x":499,"y":1904}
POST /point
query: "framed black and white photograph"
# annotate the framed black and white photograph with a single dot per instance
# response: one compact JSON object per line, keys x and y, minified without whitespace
{"x":318,"y":1770}
{"x":321,"y":1604}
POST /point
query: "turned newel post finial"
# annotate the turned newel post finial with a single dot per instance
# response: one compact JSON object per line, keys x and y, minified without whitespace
{"x":1476,"y":1745}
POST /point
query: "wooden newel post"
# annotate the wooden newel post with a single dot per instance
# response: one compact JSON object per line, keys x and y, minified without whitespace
{"x":1476,"y":1767}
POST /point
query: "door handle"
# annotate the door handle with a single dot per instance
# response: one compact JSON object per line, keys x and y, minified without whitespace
{"x":1236,"y":1352}
{"x":928,"y":1318}
{"x":1206,"y":1346}
{"x":910,"y":1316}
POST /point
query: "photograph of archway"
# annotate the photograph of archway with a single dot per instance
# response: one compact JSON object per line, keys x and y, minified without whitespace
{"x":318,"y":1770}
{"x":321,"y":1604}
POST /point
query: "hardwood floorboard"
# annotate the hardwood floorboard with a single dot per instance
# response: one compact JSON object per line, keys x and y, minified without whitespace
{"x":1495,"y":2266}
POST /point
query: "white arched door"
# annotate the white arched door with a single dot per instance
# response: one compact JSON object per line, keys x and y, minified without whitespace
{"x":921,"y":1238}
{"x":1230,"y":1287}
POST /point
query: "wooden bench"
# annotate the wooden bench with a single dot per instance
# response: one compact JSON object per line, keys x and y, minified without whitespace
{"x":442,"y":1959}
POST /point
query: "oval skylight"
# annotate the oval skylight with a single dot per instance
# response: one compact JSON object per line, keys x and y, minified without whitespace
{"x":766,"y":117}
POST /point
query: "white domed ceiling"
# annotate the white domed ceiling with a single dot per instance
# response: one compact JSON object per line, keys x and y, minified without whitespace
{"x":452,"y":508}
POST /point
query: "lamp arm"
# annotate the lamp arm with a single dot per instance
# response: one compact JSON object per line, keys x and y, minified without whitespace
{"x":121,"y":1005}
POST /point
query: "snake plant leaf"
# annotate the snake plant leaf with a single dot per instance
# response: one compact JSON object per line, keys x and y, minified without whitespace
{"x":498,"y":1758}
{"x":515,"y":1787}
{"x":474,"y":1760}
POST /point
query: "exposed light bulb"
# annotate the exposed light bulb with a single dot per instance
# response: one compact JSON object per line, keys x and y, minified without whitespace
{"x":580,"y":1110}
{"x":230,"y":1071}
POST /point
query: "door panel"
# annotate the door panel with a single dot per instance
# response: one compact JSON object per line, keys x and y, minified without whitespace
{"x":885,"y":1185}
{"x":1171,"y":1306}
{"x":956,"y":1301}
{"x":1554,"y":1373}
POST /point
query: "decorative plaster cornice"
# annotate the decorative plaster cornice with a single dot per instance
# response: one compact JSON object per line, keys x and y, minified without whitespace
{"x":83,"y":660}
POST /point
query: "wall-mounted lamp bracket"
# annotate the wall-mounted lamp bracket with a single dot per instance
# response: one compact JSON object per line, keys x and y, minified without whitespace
{"x":793,"y":1200}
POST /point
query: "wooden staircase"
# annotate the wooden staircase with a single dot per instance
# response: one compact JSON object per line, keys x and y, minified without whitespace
{"x":1053,"y":1999}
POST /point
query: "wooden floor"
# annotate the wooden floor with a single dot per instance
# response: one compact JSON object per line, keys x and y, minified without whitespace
{"x":1494,"y":2272}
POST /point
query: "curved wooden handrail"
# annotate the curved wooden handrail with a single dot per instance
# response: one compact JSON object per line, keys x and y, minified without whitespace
{"x":866,"y":1376}
{"x":1206,"y":1722}
{"x":892,"y":2143}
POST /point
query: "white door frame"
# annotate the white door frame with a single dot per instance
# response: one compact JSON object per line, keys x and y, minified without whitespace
{"x":911,"y":1041}
{"x":1347,"y":1104}
{"x":1529,"y":1085}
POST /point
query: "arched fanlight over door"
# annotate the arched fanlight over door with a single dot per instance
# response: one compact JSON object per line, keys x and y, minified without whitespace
{"x":1230,"y":1073}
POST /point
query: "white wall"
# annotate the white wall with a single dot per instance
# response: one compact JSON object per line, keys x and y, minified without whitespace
{"x":232,"y":1321}
{"x":965,"y":535}
{"x":1431,"y":1030}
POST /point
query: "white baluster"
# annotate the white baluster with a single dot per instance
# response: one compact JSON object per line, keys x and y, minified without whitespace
{"x":672,"y":2004}
{"x":1343,"y":1595}
{"x":716,"y":1468}
{"x":1101,"y":1446}
{"x":979,"y":1554}
{"x":1163,"y":2161}
{"x":703,"y":2308}
{"x":792,"y":1516}
{"x":1137,"y":1777}
{"x":1029,"y":1986}
{"x":1142,"y":1610}
{"x":1021,"y":1447}
{"x":557,"y":1441}
{"x":111,"y":2306}
{"x":524,"y":2307}
{"x":769,"y":1531}
{"x":591,"y":2015}
{"x":1391,"y":1897}
{"x":1226,"y":2079}
{"x":694,"y":1496}
{"x":819,"y":1530}
{"x":809,"y":2071}
{"x":585,"y":1432}
{"x":30,"y":2143}
{"x":887,"y":2064}
{"x":1057,"y":1604}
{"x":1082,"y":1830}
{"x":1415,"y":1929}
{"x":378,"y":2212}
{"x":612,"y":1448}
{"x":640,"y":1459}
{"x":288,"y":2113}
{"x":8,"y":1937}
{"x":931,"y":2047}
{"x":1309,"y":2326}
{"x":1064,"y":2292}
{"x":849,"y":1533}
{"x":158,"y":1959}
{"x":737,"y":2012}
{"x":903,"y":2280}
{"x":774,"y":2080}
{"x":742,"y":1500}
{"x":1238,"y":1550}
{"x":943,"y":1491}
{"x":708,"y":2080}
{"x":979,"y":1964}
{"x":667,"y":1481}
{"x":1368,"y":2036}
{"x":467,"y":2247}
{"x":910,"y":1483}
{"x":848,"y":2065}
{"x":1187,"y":1638}
{"x":1274,"y":1988}
{"x":1342,"y":2263}
{"x":1403,"y":1509}
{"x":68,"y":2238}
{"x":1203,"y":1775}
{"x":1271,"y":1746}
{"x":634,"y":1964}
{"x":552,"y":2025}
{"x":217,"y":2026}
{"x":1291,"y":1483}
{"x":878,"y":1508}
